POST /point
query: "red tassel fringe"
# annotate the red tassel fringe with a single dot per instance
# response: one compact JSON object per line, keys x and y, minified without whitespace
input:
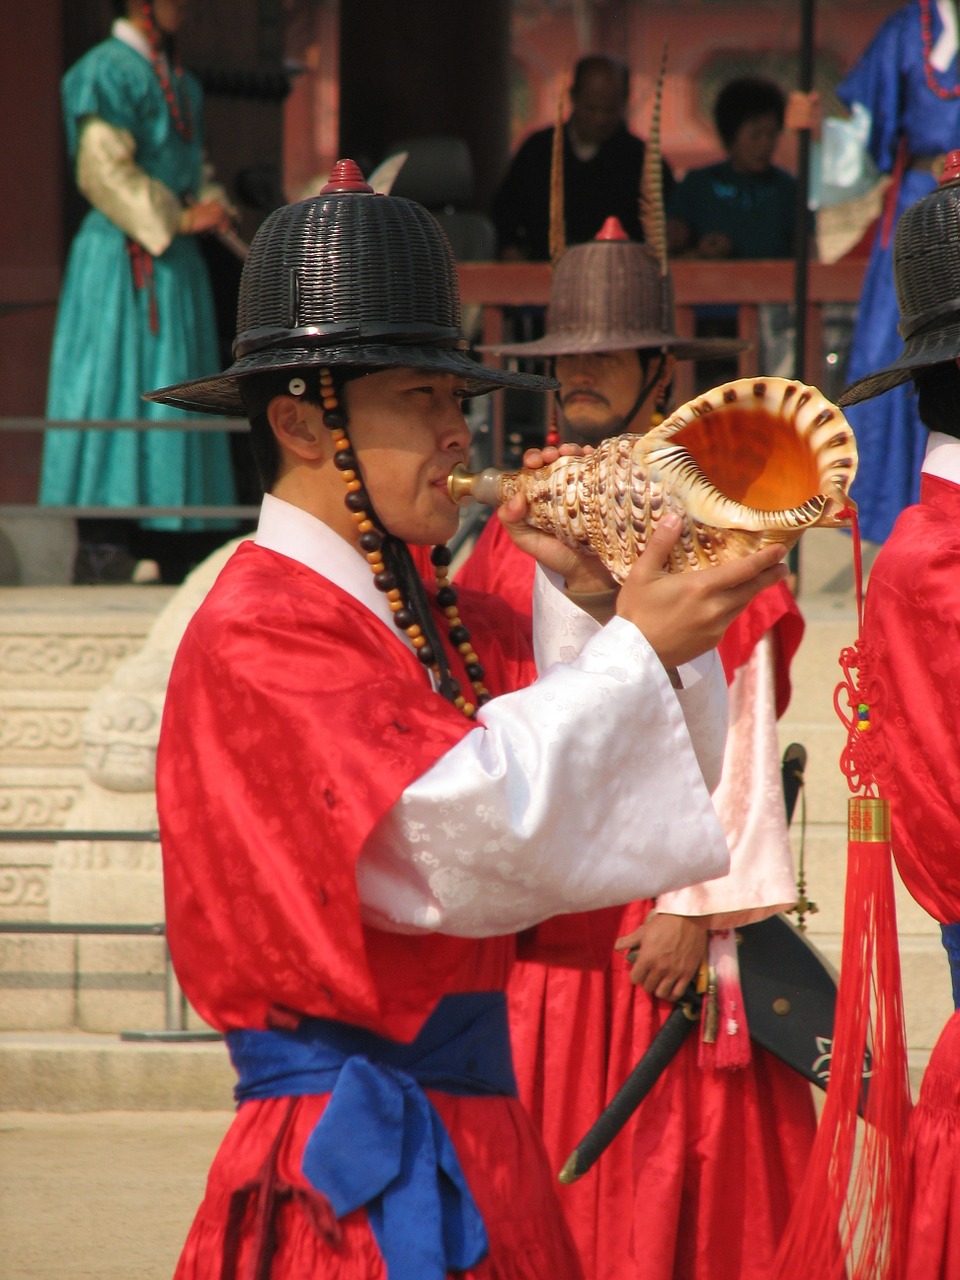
{"x":866,"y":1202}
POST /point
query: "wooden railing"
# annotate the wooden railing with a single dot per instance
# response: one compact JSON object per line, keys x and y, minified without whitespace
{"x":493,"y":286}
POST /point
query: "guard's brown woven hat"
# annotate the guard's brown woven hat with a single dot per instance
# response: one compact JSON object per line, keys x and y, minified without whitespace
{"x":346,"y":278}
{"x":609,"y":295}
{"x":926,"y":268}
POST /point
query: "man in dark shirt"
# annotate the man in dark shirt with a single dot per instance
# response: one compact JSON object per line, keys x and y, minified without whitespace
{"x":602,"y":166}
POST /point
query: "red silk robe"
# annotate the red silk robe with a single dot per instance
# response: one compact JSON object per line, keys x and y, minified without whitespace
{"x":912,"y":627}
{"x":328,"y":720}
{"x":699,"y":1184}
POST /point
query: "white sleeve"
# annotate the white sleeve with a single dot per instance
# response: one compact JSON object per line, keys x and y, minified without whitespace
{"x":560,"y":631}
{"x":113,"y":182}
{"x":581,"y":791}
{"x":749,"y":803}
{"x":841,"y":167}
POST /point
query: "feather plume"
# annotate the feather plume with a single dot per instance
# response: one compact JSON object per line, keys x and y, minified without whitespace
{"x":652,"y":214}
{"x":558,"y":231}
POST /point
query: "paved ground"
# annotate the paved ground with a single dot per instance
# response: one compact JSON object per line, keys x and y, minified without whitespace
{"x":107,"y":1195}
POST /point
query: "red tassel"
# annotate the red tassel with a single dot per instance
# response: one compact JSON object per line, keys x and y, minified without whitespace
{"x":725,"y":1037}
{"x":867,"y":1203}
{"x":141,"y":264}
{"x":850,"y":1220}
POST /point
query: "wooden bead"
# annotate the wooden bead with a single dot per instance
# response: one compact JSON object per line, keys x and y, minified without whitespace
{"x":414,"y":631}
{"x":469,"y":709}
{"x":417,"y":641}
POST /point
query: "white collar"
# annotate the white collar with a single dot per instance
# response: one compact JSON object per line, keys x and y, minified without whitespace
{"x":945,"y":49}
{"x":295,"y":533}
{"x":124,"y":30}
{"x":942,"y":458}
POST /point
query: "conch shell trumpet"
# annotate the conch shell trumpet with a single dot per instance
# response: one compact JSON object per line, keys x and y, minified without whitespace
{"x":754,"y":461}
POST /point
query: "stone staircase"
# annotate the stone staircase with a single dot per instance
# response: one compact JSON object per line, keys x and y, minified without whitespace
{"x":68,"y":1004}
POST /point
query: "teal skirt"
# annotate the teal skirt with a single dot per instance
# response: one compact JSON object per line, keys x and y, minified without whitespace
{"x":106,"y":354}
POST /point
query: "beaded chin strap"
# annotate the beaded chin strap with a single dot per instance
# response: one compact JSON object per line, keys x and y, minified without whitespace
{"x":173,"y":90}
{"x":377,"y":544}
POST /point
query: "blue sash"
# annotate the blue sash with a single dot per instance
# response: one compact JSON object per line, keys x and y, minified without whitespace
{"x":951,"y":940}
{"x":380,"y":1142}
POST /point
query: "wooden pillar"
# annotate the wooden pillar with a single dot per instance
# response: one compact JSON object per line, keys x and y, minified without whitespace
{"x":420,"y":68}
{"x":30,"y":228}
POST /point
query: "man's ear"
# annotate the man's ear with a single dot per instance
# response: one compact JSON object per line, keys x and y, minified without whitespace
{"x":298,"y":427}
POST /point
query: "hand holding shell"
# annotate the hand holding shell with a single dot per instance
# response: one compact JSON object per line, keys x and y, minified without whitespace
{"x":751,"y":462}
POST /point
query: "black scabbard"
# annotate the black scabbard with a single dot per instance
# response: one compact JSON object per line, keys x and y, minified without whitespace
{"x":664,"y":1047}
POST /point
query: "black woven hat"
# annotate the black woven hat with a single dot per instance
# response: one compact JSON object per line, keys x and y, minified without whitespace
{"x":926,"y":268}
{"x":346,"y":278}
{"x":611,"y":294}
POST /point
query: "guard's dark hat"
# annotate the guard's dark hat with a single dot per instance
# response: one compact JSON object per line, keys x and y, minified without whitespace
{"x":611,"y":294}
{"x":926,"y":268}
{"x":348,"y":277}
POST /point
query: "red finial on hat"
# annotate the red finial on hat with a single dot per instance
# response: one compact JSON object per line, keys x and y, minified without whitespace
{"x":951,"y":168}
{"x":345,"y":176}
{"x":612,"y":230}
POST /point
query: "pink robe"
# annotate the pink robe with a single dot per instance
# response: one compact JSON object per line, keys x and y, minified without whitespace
{"x":699,"y":1184}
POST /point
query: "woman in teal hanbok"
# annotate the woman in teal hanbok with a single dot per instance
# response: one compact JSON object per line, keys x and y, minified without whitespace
{"x":136,"y":309}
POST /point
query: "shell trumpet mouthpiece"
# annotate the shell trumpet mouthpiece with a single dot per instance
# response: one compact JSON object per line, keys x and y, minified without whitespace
{"x":479,"y":486}
{"x":753,"y":461}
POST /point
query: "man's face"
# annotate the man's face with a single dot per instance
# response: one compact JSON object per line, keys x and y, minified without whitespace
{"x":754,"y":143}
{"x":408,"y":432}
{"x":598,"y":106}
{"x":597,"y":392}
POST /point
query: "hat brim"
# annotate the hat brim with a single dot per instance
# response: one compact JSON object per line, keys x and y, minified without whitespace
{"x":918,"y":353}
{"x":220,"y":393}
{"x":581,"y":343}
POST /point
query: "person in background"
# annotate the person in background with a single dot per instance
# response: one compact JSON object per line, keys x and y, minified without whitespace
{"x":136,"y":308}
{"x":740,"y":207}
{"x":602,"y":164}
{"x":699,"y":1184}
{"x":365,"y":790}
{"x":911,"y":656}
{"x":903,"y":95}
{"x":743,"y":206}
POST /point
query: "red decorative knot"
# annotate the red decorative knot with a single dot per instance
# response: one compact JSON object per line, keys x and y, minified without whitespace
{"x":346,"y":176}
{"x":951,"y":168}
{"x":612,"y":230}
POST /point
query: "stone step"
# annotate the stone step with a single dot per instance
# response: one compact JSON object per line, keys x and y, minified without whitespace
{"x":77,"y":1071}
